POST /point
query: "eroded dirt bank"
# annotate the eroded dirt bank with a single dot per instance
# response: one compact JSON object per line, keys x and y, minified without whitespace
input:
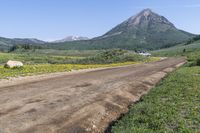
{"x":77,"y":102}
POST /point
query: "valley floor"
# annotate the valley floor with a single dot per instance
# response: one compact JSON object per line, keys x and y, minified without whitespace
{"x":78,"y":102}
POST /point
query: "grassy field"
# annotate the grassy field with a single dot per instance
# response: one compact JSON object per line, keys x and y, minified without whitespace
{"x":179,"y":50}
{"x":191,"y":51}
{"x":42,"y":56}
{"x":172,"y":106}
{"x":35,"y":58}
{"x":74,"y":53}
{"x":50,"y":68}
{"x":44,"y":63}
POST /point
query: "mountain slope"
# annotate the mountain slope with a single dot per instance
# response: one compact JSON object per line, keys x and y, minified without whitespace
{"x":71,"y":38}
{"x":6,"y":43}
{"x":149,"y":28}
{"x":180,"y":50}
{"x":146,"y":30}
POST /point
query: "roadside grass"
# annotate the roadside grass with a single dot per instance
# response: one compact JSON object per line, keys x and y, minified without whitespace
{"x":194,"y":58}
{"x":191,"y":51}
{"x":112,"y":56}
{"x":172,"y":106}
{"x":28,"y":70}
{"x":43,"y":56}
{"x":42,"y":63}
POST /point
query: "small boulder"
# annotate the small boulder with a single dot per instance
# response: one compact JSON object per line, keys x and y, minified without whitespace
{"x":13,"y":64}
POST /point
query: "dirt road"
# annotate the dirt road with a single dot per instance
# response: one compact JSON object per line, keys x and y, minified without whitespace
{"x":79,"y":102}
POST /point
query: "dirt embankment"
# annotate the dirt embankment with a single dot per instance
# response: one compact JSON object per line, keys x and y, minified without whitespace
{"x":77,"y":102}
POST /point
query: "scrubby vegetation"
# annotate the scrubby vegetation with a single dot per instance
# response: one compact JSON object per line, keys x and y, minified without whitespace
{"x":190,"y":51}
{"x":50,"y":68}
{"x":112,"y":56}
{"x":44,"y":63}
{"x":194,"y":58}
{"x":95,"y":57}
{"x":180,"y":50}
{"x":192,"y":40}
{"x":24,"y":47}
{"x":35,"y":58}
{"x":172,"y":106}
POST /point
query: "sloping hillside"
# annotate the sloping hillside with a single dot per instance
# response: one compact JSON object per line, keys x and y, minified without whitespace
{"x":146,"y":30}
{"x":6,"y":43}
{"x":179,"y":50}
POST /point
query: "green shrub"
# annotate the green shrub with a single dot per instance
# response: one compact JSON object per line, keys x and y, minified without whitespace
{"x":111,"y":56}
{"x":198,"y":62}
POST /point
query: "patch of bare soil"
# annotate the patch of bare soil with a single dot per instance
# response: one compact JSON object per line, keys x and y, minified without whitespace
{"x":77,"y":102}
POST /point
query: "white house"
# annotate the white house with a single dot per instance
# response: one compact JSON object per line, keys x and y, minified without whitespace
{"x":144,"y":54}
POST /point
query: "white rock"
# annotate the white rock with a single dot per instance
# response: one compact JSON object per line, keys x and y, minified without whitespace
{"x":13,"y":64}
{"x":94,"y":126}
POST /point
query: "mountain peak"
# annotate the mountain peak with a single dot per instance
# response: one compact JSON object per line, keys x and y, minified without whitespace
{"x":146,"y":30}
{"x":71,"y":38}
{"x":147,"y":11}
{"x":147,"y":16}
{"x":146,"y":26}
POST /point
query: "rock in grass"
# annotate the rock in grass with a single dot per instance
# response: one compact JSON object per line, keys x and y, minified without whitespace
{"x":13,"y":64}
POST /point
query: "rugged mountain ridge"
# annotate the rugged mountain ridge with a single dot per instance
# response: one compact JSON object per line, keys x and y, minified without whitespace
{"x":146,"y":30}
{"x":145,"y":20}
{"x":149,"y":28}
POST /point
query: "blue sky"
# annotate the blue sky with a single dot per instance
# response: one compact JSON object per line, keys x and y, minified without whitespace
{"x":55,"y":19}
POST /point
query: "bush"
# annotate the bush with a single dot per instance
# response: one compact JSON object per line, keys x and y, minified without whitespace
{"x":110,"y":56}
{"x":198,"y":62}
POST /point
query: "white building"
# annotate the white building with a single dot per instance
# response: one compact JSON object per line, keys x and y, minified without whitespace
{"x":144,"y":54}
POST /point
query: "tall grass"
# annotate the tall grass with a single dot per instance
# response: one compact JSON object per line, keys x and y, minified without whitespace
{"x":172,"y":106}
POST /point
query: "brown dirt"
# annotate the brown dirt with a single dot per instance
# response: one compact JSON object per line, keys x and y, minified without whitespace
{"x":77,"y":102}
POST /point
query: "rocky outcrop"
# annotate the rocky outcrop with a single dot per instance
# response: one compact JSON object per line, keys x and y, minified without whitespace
{"x":13,"y":64}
